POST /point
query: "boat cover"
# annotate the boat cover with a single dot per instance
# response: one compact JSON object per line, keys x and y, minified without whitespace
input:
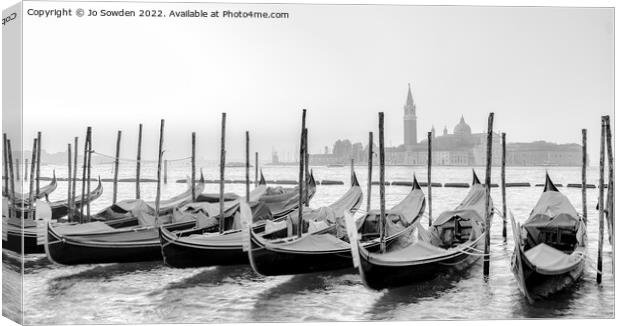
{"x":553,"y":211}
{"x":313,"y":243}
{"x":415,"y":251}
{"x":550,"y":260}
{"x":229,"y":239}
{"x":84,"y":228}
{"x":472,"y":207}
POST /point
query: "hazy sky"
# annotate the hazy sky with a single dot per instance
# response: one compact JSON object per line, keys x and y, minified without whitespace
{"x":545,"y":72}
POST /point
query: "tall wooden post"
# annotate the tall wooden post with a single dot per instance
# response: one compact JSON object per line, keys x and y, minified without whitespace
{"x":84,"y":160}
{"x":301,"y":174}
{"x":72,"y":207}
{"x":6,"y":163}
{"x":307,"y":169}
{"x":31,"y":197}
{"x":429,"y":162}
{"x":247,"y":166}
{"x":88,"y":170}
{"x":584,"y":164}
{"x":193,"y":166}
{"x":138,"y":161}
{"x":601,"y":203}
{"x":487,"y":199}
{"x":12,"y":192}
{"x":369,"y":186}
{"x":255,"y":169}
{"x":39,"y":146}
{"x":165,"y":171}
{"x":222,"y":165}
{"x":381,"y":185}
{"x":116,"y":163}
{"x":160,"y":154}
{"x":70,"y":163}
{"x":610,"y":192}
{"x":503,"y":181}
{"x":26,"y":169}
{"x":17,"y":168}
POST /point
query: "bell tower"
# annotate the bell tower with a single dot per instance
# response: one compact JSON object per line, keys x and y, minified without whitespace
{"x":410,"y":122}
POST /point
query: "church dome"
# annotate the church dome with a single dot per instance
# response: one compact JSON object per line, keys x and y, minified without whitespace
{"x":462,"y":128}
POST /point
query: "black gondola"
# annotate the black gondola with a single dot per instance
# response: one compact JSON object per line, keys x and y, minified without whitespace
{"x":15,"y":227}
{"x":280,"y":252}
{"x":113,"y":241}
{"x":454,"y":241}
{"x":206,"y":246}
{"x":550,"y":247}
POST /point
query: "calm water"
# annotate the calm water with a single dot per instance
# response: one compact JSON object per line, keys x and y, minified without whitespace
{"x":153,"y":293}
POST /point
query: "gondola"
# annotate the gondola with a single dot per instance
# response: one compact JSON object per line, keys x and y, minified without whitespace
{"x":204,"y":245}
{"x":129,"y":212}
{"x":14,"y":231}
{"x":22,"y":199}
{"x":112,"y":241}
{"x":453,"y":242}
{"x":277,"y":250}
{"x":60,"y":208}
{"x":550,"y":246}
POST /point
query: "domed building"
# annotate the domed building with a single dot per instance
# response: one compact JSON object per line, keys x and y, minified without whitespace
{"x":462,"y":129}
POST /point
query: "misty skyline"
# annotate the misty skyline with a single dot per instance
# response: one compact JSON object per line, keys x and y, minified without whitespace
{"x":545,"y":72}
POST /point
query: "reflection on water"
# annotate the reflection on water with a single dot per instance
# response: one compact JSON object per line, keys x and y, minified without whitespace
{"x":151,"y":292}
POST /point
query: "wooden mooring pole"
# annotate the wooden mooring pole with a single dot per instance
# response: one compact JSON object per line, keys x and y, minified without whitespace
{"x":31,"y":197}
{"x":72,"y":207}
{"x":160,"y":155}
{"x":369,"y":186}
{"x":17,"y":168}
{"x":610,"y":191}
{"x":247,"y":166}
{"x":255,"y":169}
{"x":307,"y":169}
{"x":84,"y":159}
{"x":138,"y":161}
{"x":6,"y":168}
{"x":26,"y":169}
{"x":70,"y":163}
{"x":12,"y":192}
{"x":39,"y":146}
{"x":487,"y":199}
{"x":222,"y":165}
{"x":503,"y":181}
{"x":301,"y":174}
{"x":88,"y":170}
{"x":584,"y":164}
{"x":116,"y":163}
{"x":429,"y":164}
{"x":193,"y":166}
{"x":601,"y":203}
{"x":165,"y":171}
{"x":381,"y":185}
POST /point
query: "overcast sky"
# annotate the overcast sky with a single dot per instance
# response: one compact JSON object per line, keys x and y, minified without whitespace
{"x":545,"y":72}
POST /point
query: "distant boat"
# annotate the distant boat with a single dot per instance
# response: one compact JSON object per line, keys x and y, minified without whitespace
{"x":237,"y":165}
{"x":335,"y":165}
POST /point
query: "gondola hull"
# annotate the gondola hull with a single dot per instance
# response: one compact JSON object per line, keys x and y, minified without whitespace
{"x":137,"y":245}
{"x":13,"y":242}
{"x":382,"y":276}
{"x":182,"y":255}
{"x":540,"y":286}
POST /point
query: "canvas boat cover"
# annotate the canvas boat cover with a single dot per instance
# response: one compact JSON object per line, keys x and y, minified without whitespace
{"x":418,"y":250}
{"x":134,"y":207}
{"x":229,"y":239}
{"x":553,"y":211}
{"x":472,"y":207}
{"x":405,"y":211}
{"x":312,"y":243}
{"x":84,"y":228}
{"x":549,"y":260}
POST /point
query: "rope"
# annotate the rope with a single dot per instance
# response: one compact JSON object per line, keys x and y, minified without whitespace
{"x":142,"y":161}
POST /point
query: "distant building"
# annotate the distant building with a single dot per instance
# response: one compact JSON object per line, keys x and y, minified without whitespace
{"x":461,"y":148}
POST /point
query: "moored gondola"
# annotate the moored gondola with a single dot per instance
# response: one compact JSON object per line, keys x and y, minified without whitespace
{"x":22,"y":199}
{"x":26,"y":228}
{"x":276,"y":250}
{"x":204,"y":245}
{"x":550,"y":246}
{"x":112,"y":241}
{"x":454,"y":241}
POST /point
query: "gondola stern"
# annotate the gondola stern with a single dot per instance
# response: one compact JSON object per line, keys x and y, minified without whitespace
{"x":549,"y":186}
{"x":262,"y":181}
{"x":475,"y":180}
{"x":354,"y":182}
{"x":416,"y":185}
